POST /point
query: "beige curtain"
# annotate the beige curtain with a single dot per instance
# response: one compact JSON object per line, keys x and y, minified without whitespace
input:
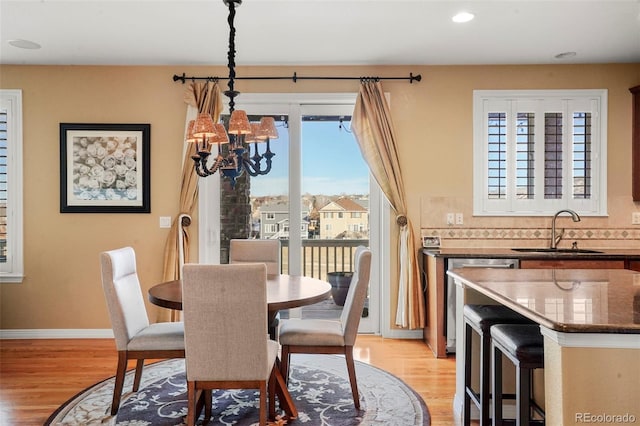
{"x":374,"y":132}
{"x":205,"y":97}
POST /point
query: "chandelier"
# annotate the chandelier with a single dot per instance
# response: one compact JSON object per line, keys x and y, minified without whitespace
{"x":228,"y":150}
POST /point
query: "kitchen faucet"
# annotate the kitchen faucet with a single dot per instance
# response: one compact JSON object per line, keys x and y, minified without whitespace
{"x":555,"y":239}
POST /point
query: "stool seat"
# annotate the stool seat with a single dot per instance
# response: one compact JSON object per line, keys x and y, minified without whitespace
{"x":522,"y":341}
{"x":484,"y":316}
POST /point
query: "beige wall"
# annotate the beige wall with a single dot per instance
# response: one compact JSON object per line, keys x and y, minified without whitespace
{"x":432,"y":118}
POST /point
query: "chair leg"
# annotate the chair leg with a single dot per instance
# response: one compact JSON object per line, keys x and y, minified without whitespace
{"x":284,"y":363}
{"x":497,"y":387}
{"x":191,"y":403}
{"x":138,"y":375}
{"x":485,"y":389}
{"x":207,"y":404}
{"x":286,"y":402}
{"x":271,"y":398}
{"x":523,"y":398}
{"x":466,"y":416}
{"x":263,"y":404}
{"x":351,"y":368}
{"x":119,"y":383}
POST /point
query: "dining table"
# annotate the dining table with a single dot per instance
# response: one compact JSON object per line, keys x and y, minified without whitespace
{"x":283,"y":292}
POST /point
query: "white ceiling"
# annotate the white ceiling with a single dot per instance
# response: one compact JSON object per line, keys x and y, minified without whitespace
{"x":315,"y":32}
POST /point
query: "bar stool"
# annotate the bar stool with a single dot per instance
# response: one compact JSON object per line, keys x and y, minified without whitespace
{"x":480,"y":318}
{"x":524,"y":346}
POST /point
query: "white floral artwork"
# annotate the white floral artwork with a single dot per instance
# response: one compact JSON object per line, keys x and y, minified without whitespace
{"x":104,"y":170}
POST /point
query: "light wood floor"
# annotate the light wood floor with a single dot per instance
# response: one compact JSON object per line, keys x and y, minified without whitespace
{"x":37,"y":376}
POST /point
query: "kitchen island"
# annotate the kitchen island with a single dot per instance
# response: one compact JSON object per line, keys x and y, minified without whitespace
{"x":590,"y":320}
{"x":439,"y":331}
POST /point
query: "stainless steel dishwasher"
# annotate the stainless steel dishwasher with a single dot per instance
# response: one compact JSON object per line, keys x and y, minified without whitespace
{"x":450,"y":293}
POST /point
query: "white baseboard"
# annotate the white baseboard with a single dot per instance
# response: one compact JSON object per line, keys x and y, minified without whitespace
{"x":58,"y":333}
{"x":397,"y":333}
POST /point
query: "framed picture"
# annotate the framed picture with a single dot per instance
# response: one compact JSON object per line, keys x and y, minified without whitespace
{"x":430,"y":241}
{"x":105,"y":168}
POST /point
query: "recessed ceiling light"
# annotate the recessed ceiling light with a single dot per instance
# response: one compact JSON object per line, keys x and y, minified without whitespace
{"x":463,"y":17}
{"x":24,"y":44}
{"x":565,"y":55}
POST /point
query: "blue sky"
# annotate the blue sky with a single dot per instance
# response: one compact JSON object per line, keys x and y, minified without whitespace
{"x":331,"y":163}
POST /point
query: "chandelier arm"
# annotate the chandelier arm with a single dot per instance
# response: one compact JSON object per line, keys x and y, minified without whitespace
{"x":219,"y":161}
{"x":252,"y":168}
{"x":197,"y":166}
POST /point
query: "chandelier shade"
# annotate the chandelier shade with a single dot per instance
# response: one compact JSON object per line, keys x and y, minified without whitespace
{"x":234,"y":159}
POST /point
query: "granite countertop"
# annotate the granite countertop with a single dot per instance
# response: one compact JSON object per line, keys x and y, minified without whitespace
{"x":510,"y":253}
{"x":565,"y":300}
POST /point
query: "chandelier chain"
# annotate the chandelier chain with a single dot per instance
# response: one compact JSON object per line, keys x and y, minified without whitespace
{"x":231,"y":56}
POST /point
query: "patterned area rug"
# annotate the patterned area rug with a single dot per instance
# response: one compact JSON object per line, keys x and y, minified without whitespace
{"x":318,"y":384}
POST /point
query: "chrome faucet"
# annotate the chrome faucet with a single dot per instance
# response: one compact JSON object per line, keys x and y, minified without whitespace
{"x":555,"y":239}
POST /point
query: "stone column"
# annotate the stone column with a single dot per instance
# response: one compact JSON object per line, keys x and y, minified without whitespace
{"x":235,"y":212}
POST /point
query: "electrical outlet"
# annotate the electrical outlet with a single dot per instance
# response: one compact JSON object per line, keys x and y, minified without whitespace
{"x":459,"y":219}
{"x":450,"y":218}
{"x":635,"y":218}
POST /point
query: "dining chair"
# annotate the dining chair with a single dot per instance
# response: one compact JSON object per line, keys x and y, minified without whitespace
{"x":317,"y":336}
{"x":135,"y":337}
{"x":260,"y":251}
{"x":252,"y":251}
{"x":226,"y":344}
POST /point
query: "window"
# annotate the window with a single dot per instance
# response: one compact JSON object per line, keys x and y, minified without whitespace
{"x":536,"y":152}
{"x":271,"y":216}
{"x":270,"y":228}
{"x":11,"y":255}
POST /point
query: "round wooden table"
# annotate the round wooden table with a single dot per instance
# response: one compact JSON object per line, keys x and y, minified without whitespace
{"x":283,"y":292}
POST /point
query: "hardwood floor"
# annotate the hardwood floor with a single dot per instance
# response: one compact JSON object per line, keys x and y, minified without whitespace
{"x":37,"y":376}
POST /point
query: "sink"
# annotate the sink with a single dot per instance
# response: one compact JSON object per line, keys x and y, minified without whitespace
{"x":556,"y":250}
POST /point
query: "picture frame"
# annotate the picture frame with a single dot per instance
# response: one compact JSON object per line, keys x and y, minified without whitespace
{"x":105,"y":168}
{"x":430,"y":241}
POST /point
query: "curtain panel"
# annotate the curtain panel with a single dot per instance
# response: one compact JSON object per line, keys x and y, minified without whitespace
{"x":206,"y":97}
{"x":373,"y":128}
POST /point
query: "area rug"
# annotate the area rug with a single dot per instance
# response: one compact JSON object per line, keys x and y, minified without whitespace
{"x":318,"y":384}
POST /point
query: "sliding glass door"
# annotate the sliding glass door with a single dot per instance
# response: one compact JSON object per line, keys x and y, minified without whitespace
{"x":319,"y":198}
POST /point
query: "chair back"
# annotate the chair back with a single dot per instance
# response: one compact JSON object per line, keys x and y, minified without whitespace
{"x":256,"y":251}
{"x":225,"y":322}
{"x":356,"y":296}
{"x":123,"y":294}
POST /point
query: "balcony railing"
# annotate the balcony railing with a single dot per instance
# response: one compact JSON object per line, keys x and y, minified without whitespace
{"x":322,"y":256}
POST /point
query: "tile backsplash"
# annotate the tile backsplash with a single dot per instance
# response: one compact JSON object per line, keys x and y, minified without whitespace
{"x":535,"y":237}
{"x":612,"y":231}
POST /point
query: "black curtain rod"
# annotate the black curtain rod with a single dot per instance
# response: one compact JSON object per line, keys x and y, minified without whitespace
{"x":183,"y":78}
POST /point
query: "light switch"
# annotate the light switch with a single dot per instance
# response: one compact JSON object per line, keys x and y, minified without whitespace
{"x":165,"y":221}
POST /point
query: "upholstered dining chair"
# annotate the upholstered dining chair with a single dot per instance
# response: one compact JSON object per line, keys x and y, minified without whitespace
{"x":226,"y":343}
{"x":316,"y":336}
{"x":135,"y":337}
{"x":256,"y":251}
